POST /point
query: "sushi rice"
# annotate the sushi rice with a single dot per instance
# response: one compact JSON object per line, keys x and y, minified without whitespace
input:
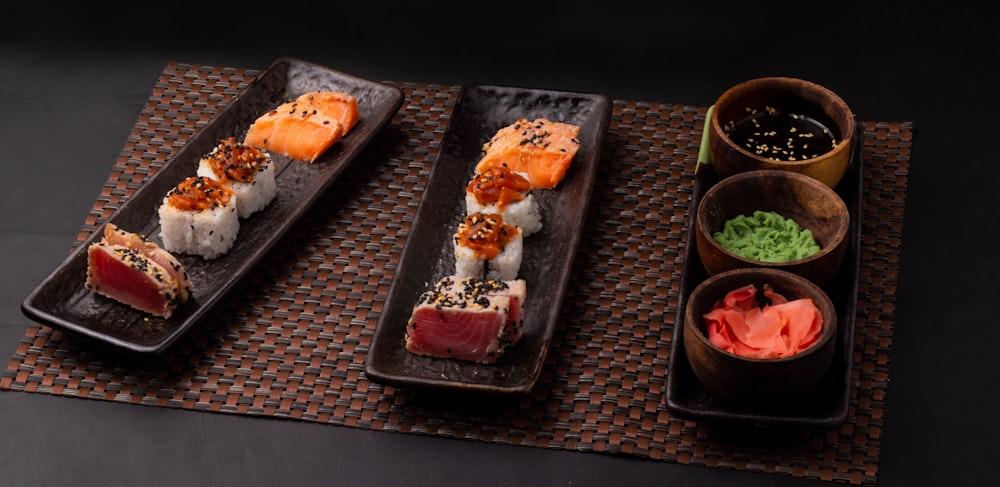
{"x":208,"y":233}
{"x":523,"y":214}
{"x":503,"y":267}
{"x":252,"y":196}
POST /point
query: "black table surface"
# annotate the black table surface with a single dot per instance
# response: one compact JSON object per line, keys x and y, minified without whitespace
{"x":74,"y":79}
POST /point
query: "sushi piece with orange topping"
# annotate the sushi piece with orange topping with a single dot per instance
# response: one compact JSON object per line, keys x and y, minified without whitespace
{"x":305,"y":127}
{"x":541,"y":149}
{"x":130,"y":269}
{"x":248,"y":171}
{"x":500,"y":190}
{"x":199,"y":217}
{"x":487,"y":248}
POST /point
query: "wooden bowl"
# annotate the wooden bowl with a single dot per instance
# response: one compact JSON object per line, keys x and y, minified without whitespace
{"x":754,"y":381}
{"x":803,"y":199}
{"x":788,"y":100}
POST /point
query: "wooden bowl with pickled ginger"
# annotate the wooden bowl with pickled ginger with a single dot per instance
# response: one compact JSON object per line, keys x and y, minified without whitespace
{"x":758,"y":336}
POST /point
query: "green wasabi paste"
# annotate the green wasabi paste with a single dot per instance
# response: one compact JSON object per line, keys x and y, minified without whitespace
{"x":766,"y":236}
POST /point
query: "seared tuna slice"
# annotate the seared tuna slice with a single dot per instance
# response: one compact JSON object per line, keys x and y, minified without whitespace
{"x":127,"y":268}
{"x":467,"y":319}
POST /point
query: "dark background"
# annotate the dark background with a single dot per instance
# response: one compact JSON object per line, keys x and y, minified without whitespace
{"x":73,"y":79}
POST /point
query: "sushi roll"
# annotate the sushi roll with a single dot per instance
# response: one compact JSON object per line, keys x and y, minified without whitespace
{"x":132,"y":270}
{"x":467,"y":318}
{"x":486,"y":247}
{"x":248,"y":171}
{"x":199,"y":217}
{"x":500,"y":190}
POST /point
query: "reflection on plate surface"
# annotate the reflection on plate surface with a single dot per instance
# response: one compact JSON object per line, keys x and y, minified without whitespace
{"x":480,"y":112}
{"x":61,"y":301}
{"x":827,"y":405}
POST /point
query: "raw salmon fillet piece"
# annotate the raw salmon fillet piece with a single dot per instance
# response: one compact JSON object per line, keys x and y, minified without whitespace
{"x":540,"y":149}
{"x":306,"y":127}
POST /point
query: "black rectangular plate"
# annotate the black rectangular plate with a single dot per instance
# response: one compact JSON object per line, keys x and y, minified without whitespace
{"x":61,"y":300}
{"x":481,"y":110}
{"x":827,"y":405}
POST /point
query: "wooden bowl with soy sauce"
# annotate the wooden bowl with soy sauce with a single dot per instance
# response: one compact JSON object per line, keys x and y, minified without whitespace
{"x":781,"y":123}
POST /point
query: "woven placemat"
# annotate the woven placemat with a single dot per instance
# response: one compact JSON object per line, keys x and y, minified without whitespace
{"x":290,"y":341}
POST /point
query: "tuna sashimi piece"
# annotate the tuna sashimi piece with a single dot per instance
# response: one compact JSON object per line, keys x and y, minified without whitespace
{"x":306,"y":127}
{"x":467,"y":319}
{"x":779,"y":329}
{"x":115,"y":236}
{"x":540,"y":148}
{"x":127,"y":268}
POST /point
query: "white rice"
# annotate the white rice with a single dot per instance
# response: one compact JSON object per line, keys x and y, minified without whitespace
{"x":523,"y":214}
{"x":253,"y":196}
{"x":504,"y":266}
{"x":208,"y":233}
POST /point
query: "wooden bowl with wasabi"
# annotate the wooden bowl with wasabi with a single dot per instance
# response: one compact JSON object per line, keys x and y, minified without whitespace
{"x":774,"y":219}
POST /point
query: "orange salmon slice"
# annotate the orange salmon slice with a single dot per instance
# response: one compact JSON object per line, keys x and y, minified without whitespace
{"x":541,"y":149}
{"x":306,"y":127}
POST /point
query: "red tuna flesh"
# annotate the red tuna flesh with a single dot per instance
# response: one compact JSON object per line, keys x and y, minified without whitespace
{"x":127,"y":268}
{"x":467,"y":319}
{"x":116,"y":236}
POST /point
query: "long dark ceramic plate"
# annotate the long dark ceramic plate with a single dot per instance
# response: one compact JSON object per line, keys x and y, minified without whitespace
{"x":547,"y":255}
{"x":827,"y":405}
{"x":61,"y":301}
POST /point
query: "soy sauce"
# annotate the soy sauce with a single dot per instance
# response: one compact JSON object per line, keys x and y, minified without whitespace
{"x":782,"y":136}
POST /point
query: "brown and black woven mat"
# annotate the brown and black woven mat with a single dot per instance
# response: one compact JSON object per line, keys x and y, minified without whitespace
{"x":290,"y":341}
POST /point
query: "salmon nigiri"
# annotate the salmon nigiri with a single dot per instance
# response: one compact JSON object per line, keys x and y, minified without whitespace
{"x":541,"y":149}
{"x":306,"y":127}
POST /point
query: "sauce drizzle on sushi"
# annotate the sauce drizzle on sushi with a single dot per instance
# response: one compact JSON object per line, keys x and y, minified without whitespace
{"x":499,"y":185}
{"x":235,"y":160}
{"x":198,"y":193}
{"x":485,"y":233}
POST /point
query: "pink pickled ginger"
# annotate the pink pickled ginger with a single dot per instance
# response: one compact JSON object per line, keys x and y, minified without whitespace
{"x":781,"y":328}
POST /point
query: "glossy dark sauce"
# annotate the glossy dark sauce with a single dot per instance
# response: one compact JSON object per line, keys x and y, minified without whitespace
{"x":782,"y":136}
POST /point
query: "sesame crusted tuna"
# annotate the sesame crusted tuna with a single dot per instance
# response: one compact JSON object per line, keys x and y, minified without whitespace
{"x":134,"y":271}
{"x":467,"y":319}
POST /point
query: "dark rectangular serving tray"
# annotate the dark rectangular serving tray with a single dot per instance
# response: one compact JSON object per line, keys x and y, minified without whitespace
{"x":61,"y":300}
{"x":827,"y":405}
{"x":480,"y":111}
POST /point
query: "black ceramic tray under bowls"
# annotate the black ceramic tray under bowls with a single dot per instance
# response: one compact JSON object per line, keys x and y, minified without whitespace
{"x":480,"y":111}
{"x":61,"y":300}
{"x":827,"y":404}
